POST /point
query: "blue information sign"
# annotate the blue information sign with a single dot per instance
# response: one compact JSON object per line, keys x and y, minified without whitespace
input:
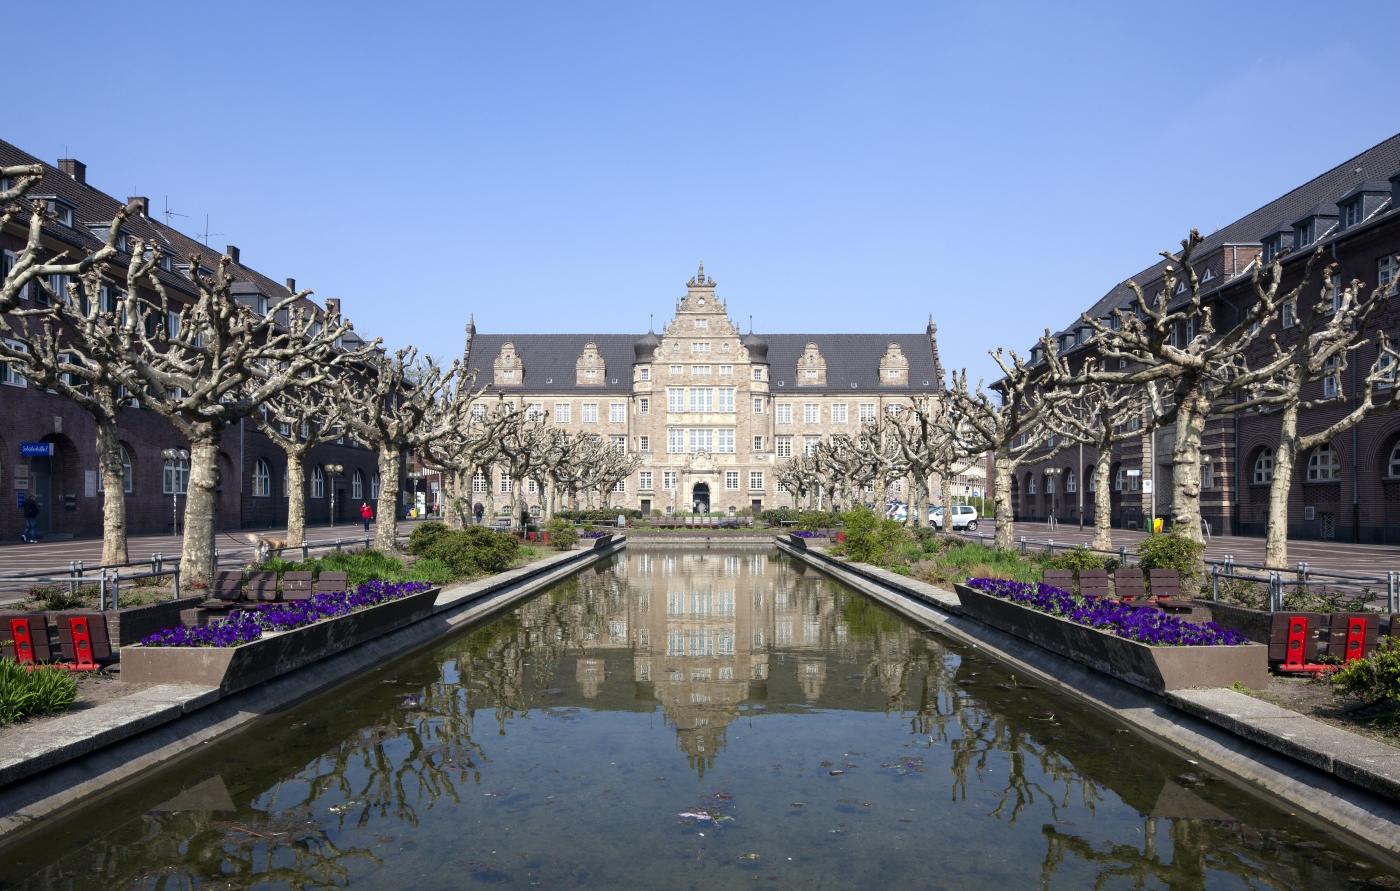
{"x":36,"y":449}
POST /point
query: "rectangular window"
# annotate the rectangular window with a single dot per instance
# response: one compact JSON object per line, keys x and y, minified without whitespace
{"x":479,"y":412}
{"x":784,"y":444}
{"x":675,"y":441}
{"x":9,"y":374}
{"x":701,"y":440}
{"x":1330,"y":382}
{"x":535,"y":412}
{"x":758,"y":443}
{"x":563,"y":412}
{"x":505,"y":485}
{"x":479,"y":483}
{"x":1385,"y":273}
{"x":644,"y":443}
{"x":590,"y":413}
{"x":1351,"y":214}
{"x":726,"y":400}
{"x":838,"y":413}
{"x":617,"y":412}
{"x":758,"y":372}
{"x":677,"y":370}
{"x":758,"y":405}
{"x":731,"y":480}
{"x":644,"y":405}
{"x":700,"y":370}
{"x":702,"y":324}
{"x":175,"y":478}
{"x":699,"y":347}
{"x":1207,"y":475}
{"x":668,"y":480}
{"x":809,"y":445}
{"x":811,"y":413}
{"x":675,"y":399}
{"x":702,"y":399}
{"x":620,"y":486}
{"x":866,"y":412}
{"x":784,"y":411}
{"x":644,"y":480}
{"x":724,"y":441}
{"x":756,"y":480}
{"x":619,"y":444}
{"x":726,"y":371}
{"x":1289,"y":313}
{"x":644,"y":373}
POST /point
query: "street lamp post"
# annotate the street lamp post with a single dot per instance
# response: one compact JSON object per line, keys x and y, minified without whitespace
{"x":1051,"y":474}
{"x":1079,"y":486}
{"x":331,"y":471}
{"x":177,"y":458}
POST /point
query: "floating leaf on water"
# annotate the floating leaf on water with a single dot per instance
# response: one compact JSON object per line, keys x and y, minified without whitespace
{"x":835,"y":772}
{"x":750,"y":856}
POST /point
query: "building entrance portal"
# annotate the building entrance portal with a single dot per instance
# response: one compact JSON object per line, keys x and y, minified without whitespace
{"x":700,"y":498}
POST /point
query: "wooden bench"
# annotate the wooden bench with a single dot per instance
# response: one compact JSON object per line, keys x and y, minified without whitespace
{"x":297,"y":585}
{"x":331,"y":583}
{"x":26,"y":638}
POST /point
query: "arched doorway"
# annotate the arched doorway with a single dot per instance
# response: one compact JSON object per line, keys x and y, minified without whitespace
{"x":700,"y":498}
{"x":53,"y":483}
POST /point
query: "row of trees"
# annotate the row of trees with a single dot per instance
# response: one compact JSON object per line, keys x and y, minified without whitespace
{"x":1170,"y":361}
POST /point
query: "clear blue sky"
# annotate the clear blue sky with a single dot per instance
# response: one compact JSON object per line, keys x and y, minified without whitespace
{"x":838,"y":167}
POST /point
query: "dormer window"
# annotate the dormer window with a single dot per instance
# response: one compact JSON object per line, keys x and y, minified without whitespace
{"x":1208,"y":275}
{"x":1351,"y":213}
{"x":1276,"y":244}
{"x":1181,"y":287}
{"x":167,"y":262}
{"x":61,"y":213}
{"x":1303,"y":234}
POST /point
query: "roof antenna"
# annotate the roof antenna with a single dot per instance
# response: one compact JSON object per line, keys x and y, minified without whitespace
{"x":651,"y":323}
{"x":750,"y":323}
{"x":168,"y":213}
{"x":204,"y":236}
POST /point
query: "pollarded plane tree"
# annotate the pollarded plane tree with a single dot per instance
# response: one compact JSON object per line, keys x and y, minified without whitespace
{"x":1171,"y":340}
{"x":1305,"y":369}
{"x":838,"y":466}
{"x":938,"y":443}
{"x":299,"y":418}
{"x":471,"y":449}
{"x":605,"y":467}
{"x":1008,"y":426}
{"x":203,"y":365}
{"x":875,"y":450}
{"x":521,"y":446}
{"x":799,"y":479}
{"x":402,"y":404}
{"x":1100,"y":416}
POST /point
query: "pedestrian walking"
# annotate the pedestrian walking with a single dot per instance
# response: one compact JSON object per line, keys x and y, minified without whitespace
{"x":366,"y":514}
{"x":479,"y":511}
{"x":31,"y":520}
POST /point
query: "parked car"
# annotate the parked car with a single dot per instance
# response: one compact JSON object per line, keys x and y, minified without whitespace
{"x":964,"y":517}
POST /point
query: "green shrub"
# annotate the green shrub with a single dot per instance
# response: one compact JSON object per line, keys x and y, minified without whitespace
{"x":860,"y":525}
{"x":1375,"y":678}
{"x":423,"y":536}
{"x":474,"y":550}
{"x":58,"y":597}
{"x":562,"y":534}
{"x":25,"y":693}
{"x":817,"y":520}
{"x":1078,"y":558}
{"x":1172,"y":551}
{"x":428,"y":569}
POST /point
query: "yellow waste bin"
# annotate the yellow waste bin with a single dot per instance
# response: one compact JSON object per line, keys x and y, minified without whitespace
{"x":1156,"y":525}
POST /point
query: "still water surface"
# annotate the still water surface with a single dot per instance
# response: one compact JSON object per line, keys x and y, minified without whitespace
{"x":689,"y":719}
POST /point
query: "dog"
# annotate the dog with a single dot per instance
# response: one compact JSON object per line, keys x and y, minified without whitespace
{"x":265,"y":545}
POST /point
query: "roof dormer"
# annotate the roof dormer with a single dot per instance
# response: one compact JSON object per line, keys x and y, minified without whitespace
{"x":245,"y":294}
{"x":1314,"y":225}
{"x":507,"y":369}
{"x":1278,"y":242}
{"x":894,"y":367}
{"x":1365,"y":199}
{"x":811,"y":368}
{"x":589,"y":370}
{"x":59,"y":211}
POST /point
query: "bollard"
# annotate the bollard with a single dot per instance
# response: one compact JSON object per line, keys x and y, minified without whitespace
{"x":116,"y":587}
{"x":72,"y":577}
{"x":1275,"y":592}
{"x":1303,"y":571}
{"x":102,"y":589}
{"x":305,"y":552}
{"x":1050,"y":546}
{"x":1392,"y":596}
{"x":1023,"y":544}
{"x":337,"y":544}
{"x":1215,"y":583}
{"x":177,"y":583}
{"x":1122,"y":555}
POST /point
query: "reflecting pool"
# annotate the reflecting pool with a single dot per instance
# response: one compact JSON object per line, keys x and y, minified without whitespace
{"x":689,"y":718}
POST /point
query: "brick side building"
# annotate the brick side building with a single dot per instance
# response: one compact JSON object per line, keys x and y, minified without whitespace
{"x":65,"y":483}
{"x":713,"y":412}
{"x":1348,"y":489}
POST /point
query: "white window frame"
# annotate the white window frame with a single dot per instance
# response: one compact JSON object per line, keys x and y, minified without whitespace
{"x":644,"y":480}
{"x":175,"y":476}
{"x":783,"y":446}
{"x":1261,"y":473}
{"x":839,"y":413}
{"x":731,"y":480}
{"x":668,"y":480}
{"x":617,"y":412}
{"x":318,"y":481}
{"x":588,"y":413}
{"x":563,"y":412}
{"x":8,"y":375}
{"x":1319,"y":471}
{"x":644,"y":405}
{"x":675,"y":440}
{"x":644,"y":443}
{"x":675,"y":399}
{"x":865,"y":412}
{"x":757,"y":443}
{"x":357,"y":485}
{"x":811,"y":413}
{"x":262,"y":479}
{"x":755,"y":481}
{"x":783,"y":412}
{"x":726,"y":371}
{"x":374,"y":487}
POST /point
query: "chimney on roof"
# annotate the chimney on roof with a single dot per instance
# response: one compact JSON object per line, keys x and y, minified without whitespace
{"x":232,"y":252}
{"x":143,"y":204}
{"x":292,"y":285}
{"x":74,"y":168}
{"x":333,"y":306}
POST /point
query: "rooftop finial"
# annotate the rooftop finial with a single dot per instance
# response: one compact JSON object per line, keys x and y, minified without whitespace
{"x":651,"y":323}
{"x":750,"y":323}
{"x":700,"y":281}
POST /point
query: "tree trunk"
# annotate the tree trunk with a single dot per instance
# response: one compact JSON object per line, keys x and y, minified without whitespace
{"x":921,"y":502}
{"x":910,"y":496}
{"x":947,"y":495}
{"x":1276,"y":538}
{"x":386,"y":520}
{"x":1186,"y":469}
{"x":296,"y":497}
{"x":1103,"y":500}
{"x":201,"y":506}
{"x":109,"y":460}
{"x":1002,"y":469}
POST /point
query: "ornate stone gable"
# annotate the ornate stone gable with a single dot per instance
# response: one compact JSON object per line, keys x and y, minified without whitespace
{"x":589,"y":370}
{"x":894,"y":367}
{"x":811,"y":368}
{"x":507,"y":369}
{"x":701,"y":330}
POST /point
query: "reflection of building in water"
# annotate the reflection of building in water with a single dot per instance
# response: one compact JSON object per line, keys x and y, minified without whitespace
{"x":705,"y":632}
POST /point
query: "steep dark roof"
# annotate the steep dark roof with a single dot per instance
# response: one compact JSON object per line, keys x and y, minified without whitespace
{"x":852,"y":362}
{"x":1376,"y":164}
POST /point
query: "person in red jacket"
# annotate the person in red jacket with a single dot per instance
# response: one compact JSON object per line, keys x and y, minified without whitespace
{"x":366,"y":514}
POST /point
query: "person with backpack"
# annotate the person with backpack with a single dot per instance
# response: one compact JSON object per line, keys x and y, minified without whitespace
{"x":31,"y":520}
{"x":366,"y":514}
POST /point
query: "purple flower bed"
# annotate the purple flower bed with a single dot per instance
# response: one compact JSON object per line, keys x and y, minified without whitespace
{"x":804,"y":533}
{"x":1125,"y":620}
{"x":248,"y":625}
{"x":593,"y":533}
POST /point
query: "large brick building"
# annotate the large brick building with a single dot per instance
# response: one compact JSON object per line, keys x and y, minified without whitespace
{"x":713,"y":412}
{"x":1348,"y":489}
{"x":32,"y":421}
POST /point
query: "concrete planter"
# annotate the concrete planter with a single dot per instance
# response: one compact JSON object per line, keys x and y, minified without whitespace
{"x":1153,"y":668}
{"x":603,"y":541}
{"x":797,"y":541}
{"x":130,"y":624}
{"x":236,"y":668}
